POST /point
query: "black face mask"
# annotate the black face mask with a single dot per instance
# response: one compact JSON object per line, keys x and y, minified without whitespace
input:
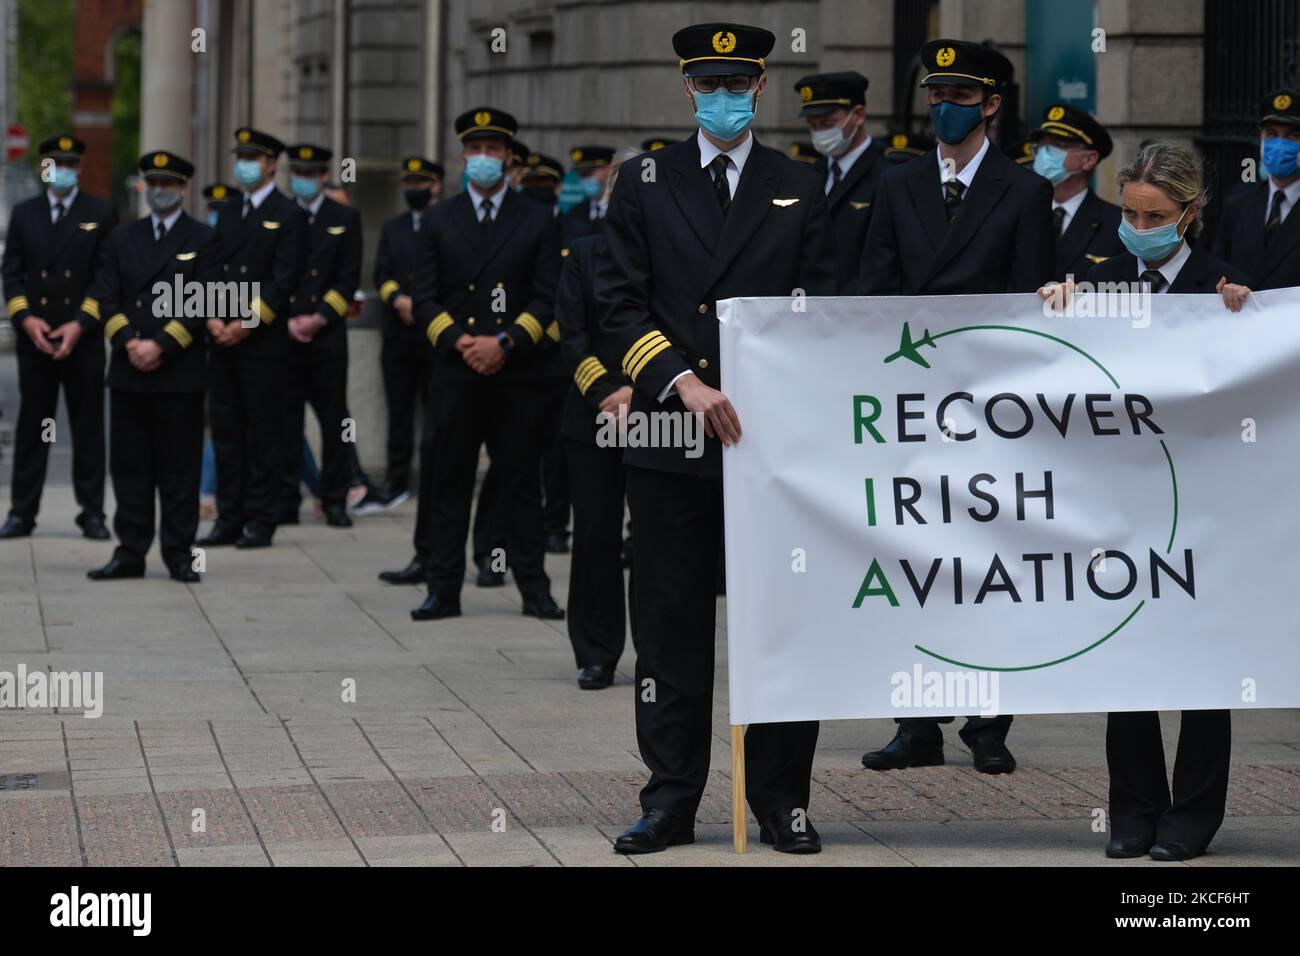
{"x":541,"y":194}
{"x":417,"y":199}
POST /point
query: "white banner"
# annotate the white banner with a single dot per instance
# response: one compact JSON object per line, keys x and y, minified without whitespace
{"x":959,"y":505}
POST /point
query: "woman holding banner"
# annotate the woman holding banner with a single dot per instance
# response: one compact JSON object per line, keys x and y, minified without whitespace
{"x":1162,"y":194}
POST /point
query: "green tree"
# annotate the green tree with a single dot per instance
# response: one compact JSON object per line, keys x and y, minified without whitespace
{"x":44,"y":70}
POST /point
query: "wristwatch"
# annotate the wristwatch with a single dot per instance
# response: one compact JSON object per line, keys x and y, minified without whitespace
{"x":507,"y":343}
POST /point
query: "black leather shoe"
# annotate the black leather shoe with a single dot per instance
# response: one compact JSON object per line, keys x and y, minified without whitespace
{"x":413,"y":573}
{"x":487,"y":578}
{"x":790,"y":832}
{"x":904,"y":751}
{"x":557,"y":542}
{"x":992,"y":756}
{"x":1127,"y":847}
{"x":16,"y":528}
{"x":596,"y":677}
{"x":336,"y":516}
{"x":92,"y":526}
{"x":543,"y":606}
{"x":655,"y":831}
{"x":116,"y":569}
{"x":1171,"y":851}
{"x":435,"y":608}
{"x":220,"y":536}
{"x":184,"y":573}
{"x":253,"y":539}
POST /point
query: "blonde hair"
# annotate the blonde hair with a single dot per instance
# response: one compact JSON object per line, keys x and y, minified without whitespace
{"x":1177,"y":170}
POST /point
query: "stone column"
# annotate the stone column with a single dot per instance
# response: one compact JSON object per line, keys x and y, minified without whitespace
{"x":166,"y":80}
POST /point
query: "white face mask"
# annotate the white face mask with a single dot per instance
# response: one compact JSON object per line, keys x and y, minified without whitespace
{"x":831,"y":141}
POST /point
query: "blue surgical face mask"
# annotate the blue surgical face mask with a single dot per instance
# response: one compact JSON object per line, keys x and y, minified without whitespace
{"x":591,"y":187}
{"x":212,"y":218}
{"x":953,"y":122}
{"x":1049,"y":162}
{"x":305,"y":187}
{"x":724,"y":114}
{"x":1279,"y":155}
{"x":1151,"y":245}
{"x":64,"y":179}
{"x":483,"y":171}
{"x":248,"y":172}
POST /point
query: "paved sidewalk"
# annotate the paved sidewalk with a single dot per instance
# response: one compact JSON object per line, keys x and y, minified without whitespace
{"x":226,"y":698}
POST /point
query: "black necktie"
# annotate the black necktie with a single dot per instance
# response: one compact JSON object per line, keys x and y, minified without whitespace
{"x":60,"y":211}
{"x":162,"y":231}
{"x":486,"y":219}
{"x":721,"y":188}
{"x":952,"y":191}
{"x":1153,"y":278}
{"x":836,"y":175}
{"x":1274,"y":215}
{"x":1058,"y":219}
{"x":248,"y":205}
{"x":415,"y":221}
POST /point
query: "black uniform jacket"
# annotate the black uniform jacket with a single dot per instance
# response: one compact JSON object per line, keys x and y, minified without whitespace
{"x":1200,"y":273}
{"x":850,"y":206}
{"x":268,"y":247}
{"x":588,"y":356}
{"x":1002,"y":239}
{"x":48,"y":269}
{"x":159,"y":290}
{"x":331,"y":273}
{"x":1240,"y":239}
{"x":577,"y":222}
{"x":1092,"y":236}
{"x":477,"y":280}
{"x":394,"y":275}
{"x":672,"y":255}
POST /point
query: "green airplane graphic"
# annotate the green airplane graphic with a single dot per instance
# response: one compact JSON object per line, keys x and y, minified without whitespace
{"x":909,"y":350}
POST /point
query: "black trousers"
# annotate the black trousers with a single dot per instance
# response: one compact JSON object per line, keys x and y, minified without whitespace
{"x":424,"y":501}
{"x":317,"y":374}
{"x":406,"y":371}
{"x":595,"y":609}
{"x":927,"y":728}
{"x":490,"y":516}
{"x":555,"y":465}
{"x":678,"y":519}
{"x":504,"y":415}
{"x":156,"y":447}
{"x":1140,"y":804}
{"x":246,"y":408}
{"x":81,"y":375}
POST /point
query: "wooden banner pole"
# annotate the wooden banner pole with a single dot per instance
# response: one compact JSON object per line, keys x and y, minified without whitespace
{"x":739,"y":835}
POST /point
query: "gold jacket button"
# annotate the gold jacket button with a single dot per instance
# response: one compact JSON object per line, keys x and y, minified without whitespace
{"x":471,"y":321}
{"x":471,"y":287}
{"x":67,"y":301}
{"x":226,"y":267}
{"x":139,"y":304}
{"x":292,"y":298}
{"x":704,"y":363}
{"x":67,"y":273}
{"x":44,"y":274}
{"x":313,"y":272}
{"x":44,"y":300}
{"x":498,"y":321}
{"x":704,"y":309}
{"x":243,"y":268}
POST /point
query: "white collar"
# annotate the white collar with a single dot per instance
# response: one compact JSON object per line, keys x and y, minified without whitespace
{"x":169,"y":221}
{"x":1171,"y":268}
{"x":257,"y":197}
{"x":496,"y":199}
{"x":67,"y":200}
{"x":1071,"y":205}
{"x":967,"y":175}
{"x":313,"y":207}
{"x":846,"y":161}
{"x":1291,"y":192}
{"x":738,"y":153}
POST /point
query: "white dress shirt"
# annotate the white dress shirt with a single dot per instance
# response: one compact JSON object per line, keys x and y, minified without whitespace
{"x":967,"y":175}
{"x":1171,"y":268}
{"x":478,"y":198}
{"x":845,"y":162}
{"x":67,"y":201}
{"x":1071,"y":206}
{"x":1290,"y":193}
{"x":255,"y":199}
{"x":167,"y":221}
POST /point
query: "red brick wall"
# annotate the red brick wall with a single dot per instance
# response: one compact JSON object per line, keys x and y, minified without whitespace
{"x":98,"y":23}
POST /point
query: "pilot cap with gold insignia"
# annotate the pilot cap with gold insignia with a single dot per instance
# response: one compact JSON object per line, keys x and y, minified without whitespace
{"x":1281,"y":106}
{"x":961,"y":63}
{"x":486,"y":122}
{"x":720,"y":49}
{"x":901,"y":146}
{"x":62,"y":146}
{"x":541,"y":166}
{"x":656,"y":142}
{"x":247,"y":138}
{"x":309,"y":156}
{"x":1075,"y":125}
{"x":822,"y":92}
{"x":219,"y":192}
{"x":591,"y":157}
{"x":162,"y":163}
{"x":804,"y":152}
{"x":417,"y":167}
